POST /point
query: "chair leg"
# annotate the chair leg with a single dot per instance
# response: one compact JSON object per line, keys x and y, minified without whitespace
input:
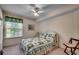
{"x":65,"y":50}
{"x":73,"y":52}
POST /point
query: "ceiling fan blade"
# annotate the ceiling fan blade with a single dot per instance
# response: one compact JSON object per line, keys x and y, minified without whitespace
{"x":40,"y":11}
{"x":33,"y":10}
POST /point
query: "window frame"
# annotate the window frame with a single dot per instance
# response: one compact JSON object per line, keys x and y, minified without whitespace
{"x":12,"y":37}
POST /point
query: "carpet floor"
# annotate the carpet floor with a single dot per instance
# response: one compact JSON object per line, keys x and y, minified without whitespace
{"x":15,"y":50}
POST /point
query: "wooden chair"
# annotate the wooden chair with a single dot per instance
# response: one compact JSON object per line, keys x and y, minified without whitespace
{"x":72,"y":46}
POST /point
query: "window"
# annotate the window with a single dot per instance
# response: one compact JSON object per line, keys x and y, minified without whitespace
{"x":13,"y":27}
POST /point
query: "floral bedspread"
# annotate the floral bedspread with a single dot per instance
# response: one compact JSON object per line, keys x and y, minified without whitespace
{"x":36,"y":45}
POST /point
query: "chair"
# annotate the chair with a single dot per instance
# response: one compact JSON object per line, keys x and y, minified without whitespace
{"x":71,"y":46}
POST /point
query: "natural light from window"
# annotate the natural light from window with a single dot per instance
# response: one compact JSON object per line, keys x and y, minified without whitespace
{"x":13,"y":27}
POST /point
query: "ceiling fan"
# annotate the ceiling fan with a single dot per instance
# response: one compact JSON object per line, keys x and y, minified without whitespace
{"x":36,"y":10}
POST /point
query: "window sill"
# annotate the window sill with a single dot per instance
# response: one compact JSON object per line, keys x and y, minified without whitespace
{"x":13,"y":37}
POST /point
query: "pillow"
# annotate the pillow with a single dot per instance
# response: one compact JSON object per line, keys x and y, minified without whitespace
{"x":44,"y":41}
{"x":42,"y":36}
{"x":30,"y":45}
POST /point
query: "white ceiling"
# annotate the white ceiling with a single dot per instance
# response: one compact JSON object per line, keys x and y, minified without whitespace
{"x":25,"y":9}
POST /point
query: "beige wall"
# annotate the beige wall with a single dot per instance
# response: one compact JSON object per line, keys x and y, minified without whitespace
{"x":26,"y":32}
{"x":66,"y":25}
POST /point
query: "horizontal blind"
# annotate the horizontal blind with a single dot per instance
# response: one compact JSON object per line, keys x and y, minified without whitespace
{"x":12,"y":19}
{"x":13,"y":27}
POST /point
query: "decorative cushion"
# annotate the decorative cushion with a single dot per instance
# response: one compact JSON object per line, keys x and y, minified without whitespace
{"x":30,"y":45}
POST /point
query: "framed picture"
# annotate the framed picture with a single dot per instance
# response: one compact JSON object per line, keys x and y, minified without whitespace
{"x":30,"y":27}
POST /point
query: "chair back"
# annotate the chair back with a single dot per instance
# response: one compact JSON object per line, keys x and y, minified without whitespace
{"x":76,"y":41}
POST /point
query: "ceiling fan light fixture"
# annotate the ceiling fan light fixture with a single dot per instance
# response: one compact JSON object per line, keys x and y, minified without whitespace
{"x":36,"y":14}
{"x":36,"y":11}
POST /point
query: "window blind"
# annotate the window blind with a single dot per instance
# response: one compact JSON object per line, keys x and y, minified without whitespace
{"x":13,"y":27}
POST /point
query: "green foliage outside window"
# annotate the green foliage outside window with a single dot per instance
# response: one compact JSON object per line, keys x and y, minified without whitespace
{"x":13,"y":27}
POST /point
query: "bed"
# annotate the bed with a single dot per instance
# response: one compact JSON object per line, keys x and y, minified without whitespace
{"x":45,"y":42}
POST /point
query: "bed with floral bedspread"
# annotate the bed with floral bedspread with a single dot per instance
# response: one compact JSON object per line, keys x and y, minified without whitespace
{"x":39,"y":45}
